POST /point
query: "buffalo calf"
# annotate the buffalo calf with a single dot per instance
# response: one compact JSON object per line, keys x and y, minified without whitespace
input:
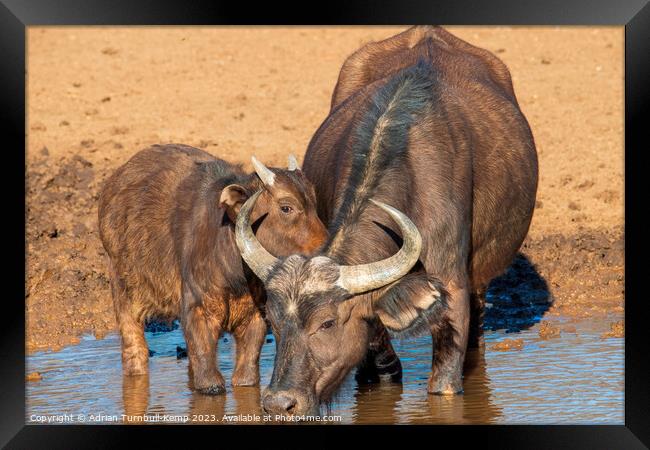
{"x":166,"y":219}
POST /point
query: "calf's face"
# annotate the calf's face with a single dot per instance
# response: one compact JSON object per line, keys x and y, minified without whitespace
{"x":285,"y":216}
{"x":319,"y":313}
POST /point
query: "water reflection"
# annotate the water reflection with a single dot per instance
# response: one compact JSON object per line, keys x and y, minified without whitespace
{"x":247,"y":400}
{"x":207,"y":408}
{"x":377,"y":403}
{"x":474,"y":406}
{"x":577,"y":378}
{"x":135,"y":395}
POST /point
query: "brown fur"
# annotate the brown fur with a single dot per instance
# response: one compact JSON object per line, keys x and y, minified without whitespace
{"x":165,"y":219}
{"x":467,"y":176}
{"x":323,"y":332}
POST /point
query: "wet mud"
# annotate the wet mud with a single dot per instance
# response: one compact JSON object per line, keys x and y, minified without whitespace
{"x":67,"y":294}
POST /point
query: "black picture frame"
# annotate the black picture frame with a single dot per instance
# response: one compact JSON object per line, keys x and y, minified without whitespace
{"x":16,"y":15}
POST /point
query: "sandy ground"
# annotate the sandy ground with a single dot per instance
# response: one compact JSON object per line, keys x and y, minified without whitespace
{"x":98,"y":95}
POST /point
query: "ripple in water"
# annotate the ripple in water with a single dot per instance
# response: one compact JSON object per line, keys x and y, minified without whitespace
{"x":574,"y":379}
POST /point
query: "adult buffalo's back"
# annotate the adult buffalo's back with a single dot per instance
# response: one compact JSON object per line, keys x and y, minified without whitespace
{"x":430,"y":125}
{"x":475,"y":121}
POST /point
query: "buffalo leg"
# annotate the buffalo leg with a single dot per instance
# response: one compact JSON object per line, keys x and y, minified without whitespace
{"x":201,"y":332}
{"x":450,"y":344}
{"x":380,"y":359}
{"x":477,"y":310}
{"x":249,"y":340}
{"x":135,"y":354}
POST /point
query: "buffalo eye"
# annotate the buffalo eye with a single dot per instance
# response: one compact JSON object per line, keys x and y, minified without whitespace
{"x":286,"y":209}
{"x":327,"y":324}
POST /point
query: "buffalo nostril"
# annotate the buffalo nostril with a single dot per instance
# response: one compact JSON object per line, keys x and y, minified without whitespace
{"x":279,"y":403}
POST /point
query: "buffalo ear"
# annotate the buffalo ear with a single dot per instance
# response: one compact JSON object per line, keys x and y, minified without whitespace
{"x":232,"y":198}
{"x":411,"y":305}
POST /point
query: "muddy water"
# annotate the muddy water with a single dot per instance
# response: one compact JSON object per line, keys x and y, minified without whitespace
{"x":574,"y":379}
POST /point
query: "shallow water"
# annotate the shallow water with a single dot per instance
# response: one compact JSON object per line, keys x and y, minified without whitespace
{"x":574,"y":379}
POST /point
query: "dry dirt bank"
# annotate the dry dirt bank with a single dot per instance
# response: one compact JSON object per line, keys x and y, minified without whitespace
{"x":98,"y":95}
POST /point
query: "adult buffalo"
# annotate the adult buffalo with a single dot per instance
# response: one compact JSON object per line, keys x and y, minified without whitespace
{"x":166,"y":219}
{"x":430,"y":125}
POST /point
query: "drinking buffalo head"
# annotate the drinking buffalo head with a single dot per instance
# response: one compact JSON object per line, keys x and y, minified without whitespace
{"x":320,"y":311}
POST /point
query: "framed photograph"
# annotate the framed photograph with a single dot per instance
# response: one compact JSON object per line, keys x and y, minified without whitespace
{"x":326,"y":222}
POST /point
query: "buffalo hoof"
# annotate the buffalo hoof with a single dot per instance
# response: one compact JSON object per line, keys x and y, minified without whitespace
{"x":135,"y":371}
{"x":215,"y":389}
{"x":447,"y":391}
{"x":445,"y":387}
{"x":245,"y":380}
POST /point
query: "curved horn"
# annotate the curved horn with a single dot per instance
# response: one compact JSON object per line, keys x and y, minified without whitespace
{"x":366,"y":277}
{"x":258,"y":259}
{"x":265,"y":174}
{"x":293,"y":162}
